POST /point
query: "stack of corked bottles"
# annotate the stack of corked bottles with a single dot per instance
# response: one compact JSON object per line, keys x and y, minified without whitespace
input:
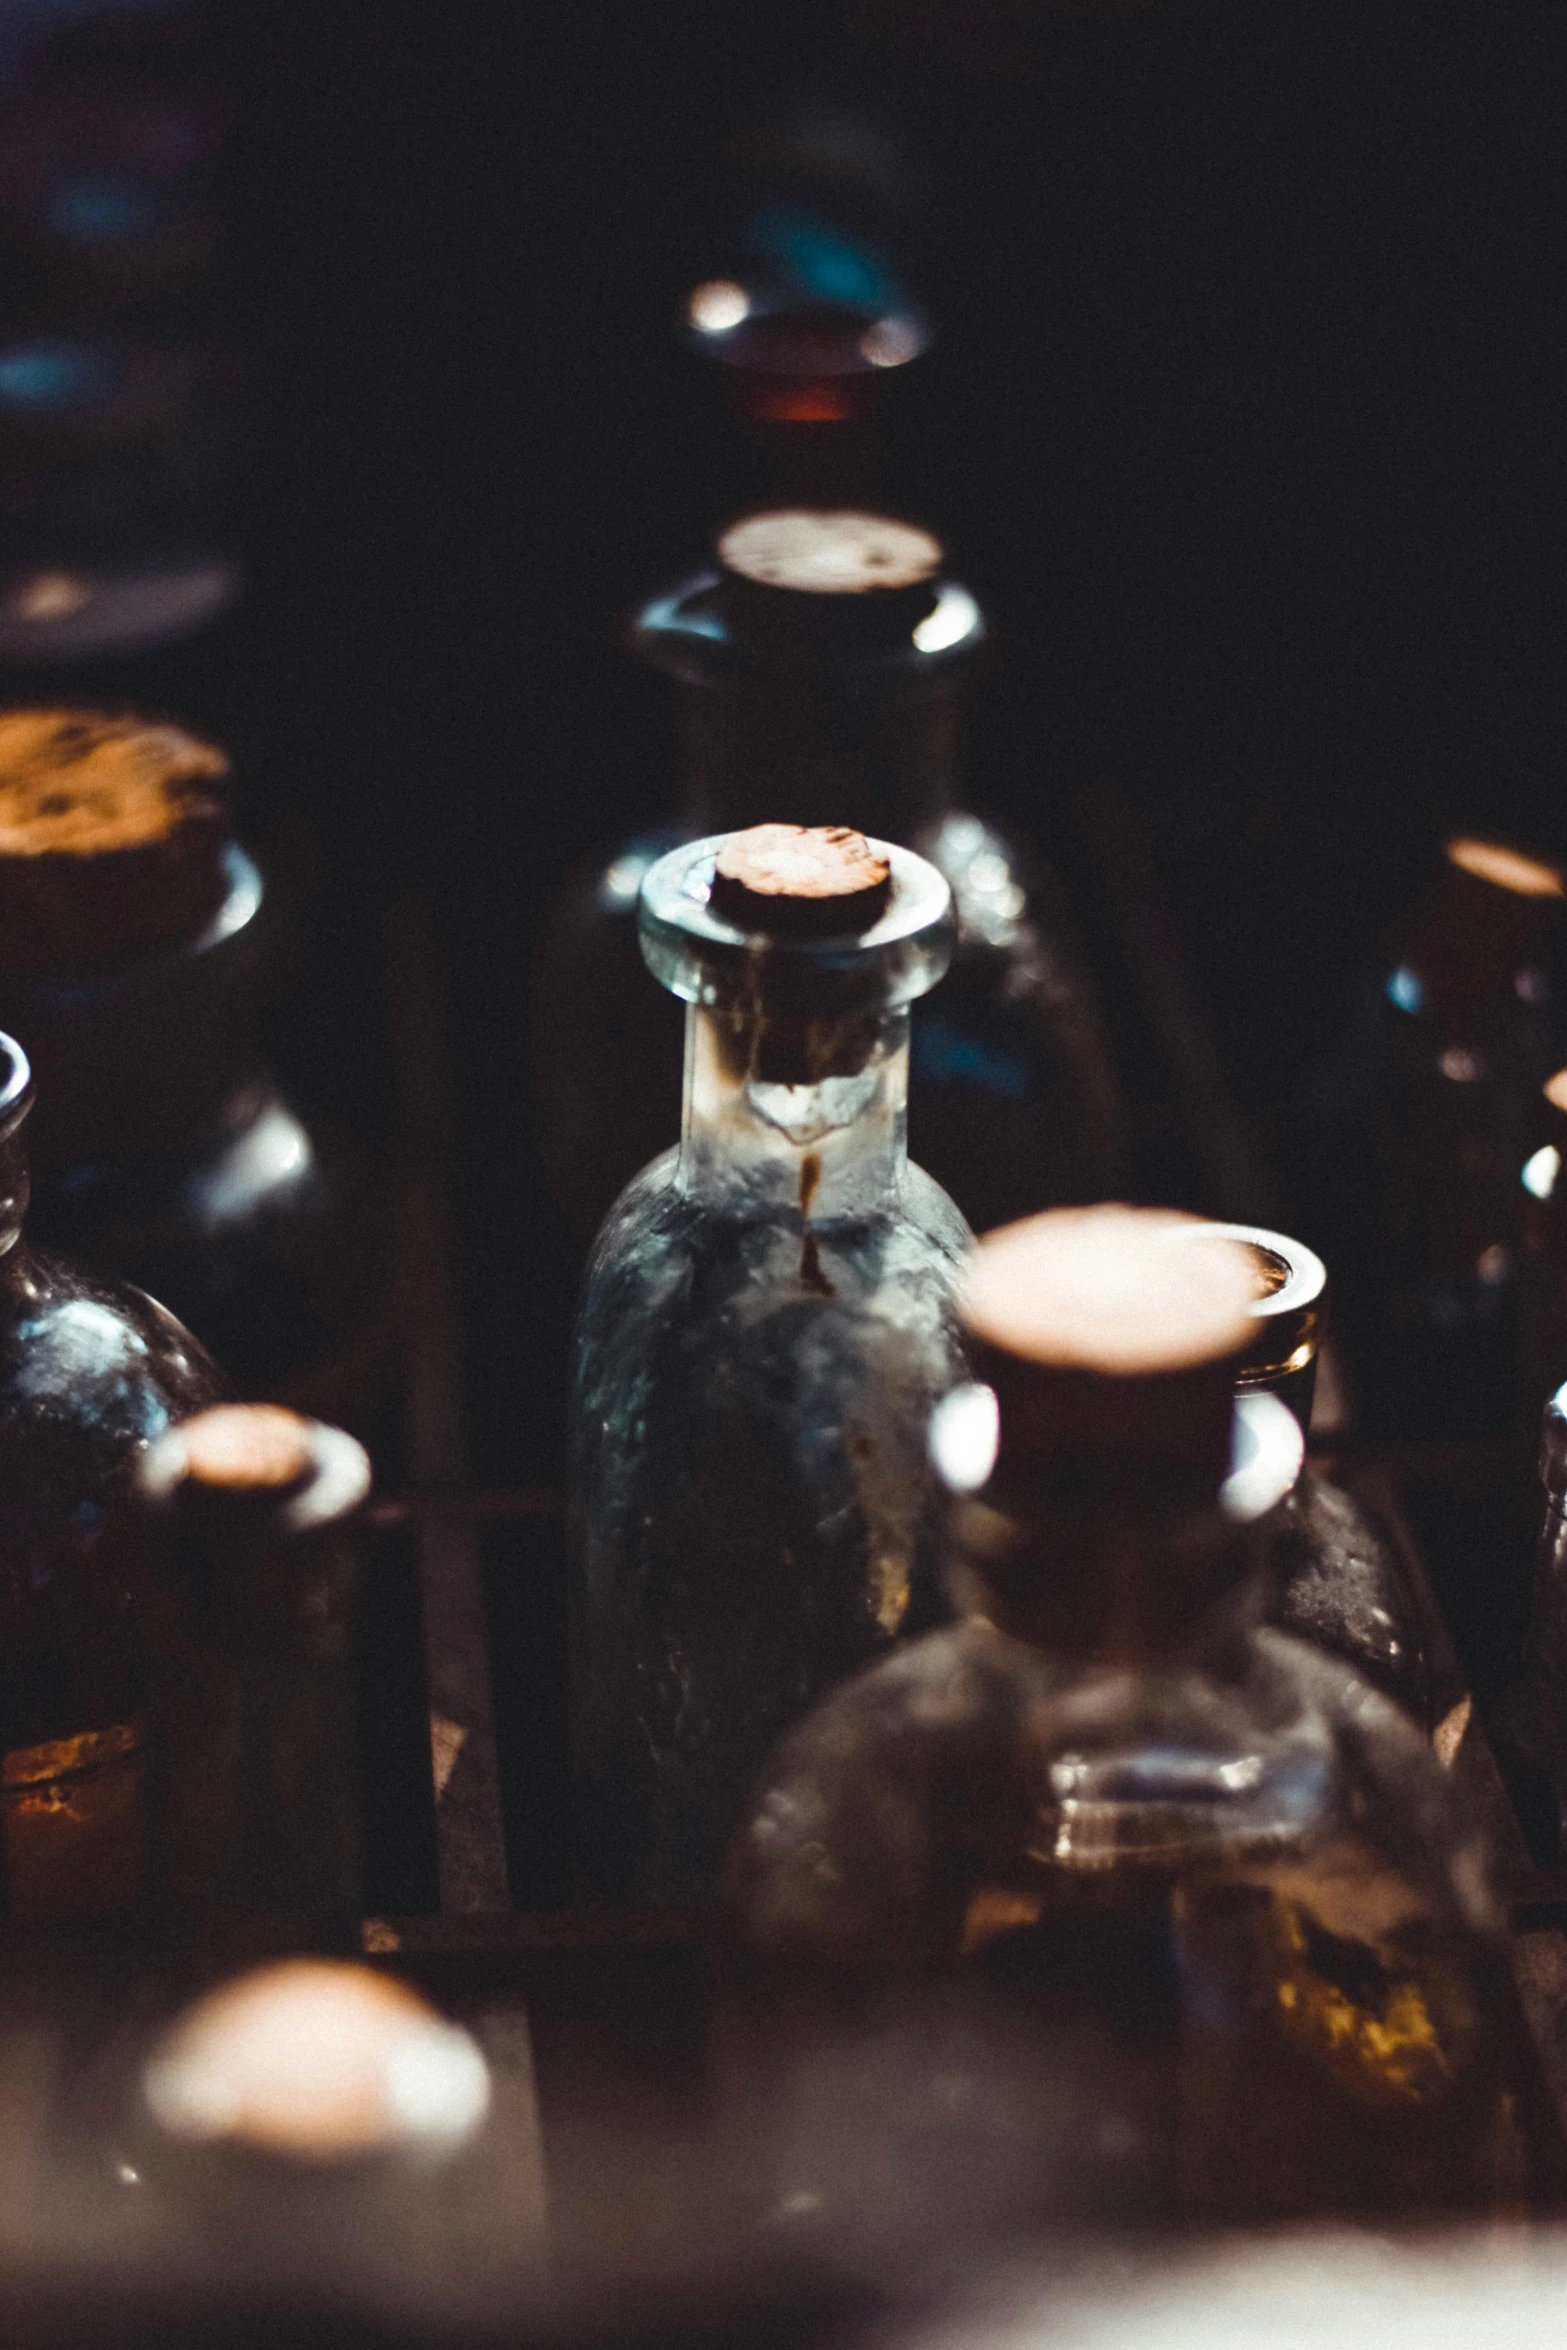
{"x":1056,"y":1768}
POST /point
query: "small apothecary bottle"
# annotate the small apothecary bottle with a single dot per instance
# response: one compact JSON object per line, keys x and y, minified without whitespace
{"x":767,"y":1322}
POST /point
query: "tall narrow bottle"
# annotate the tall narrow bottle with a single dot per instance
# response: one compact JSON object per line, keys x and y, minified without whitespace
{"x":767,"y":1322}
{"x":820,"y":666}
{"x":91,"y":1372}
{"x":247,"y":1575}
{"x":1110,"y":1903}
{"x":1341,"y":1579}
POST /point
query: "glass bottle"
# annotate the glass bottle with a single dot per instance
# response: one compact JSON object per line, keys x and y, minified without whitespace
{"x":247,"y":1571}
{"x":133,"y":963}
{"x":1529,"y":1719}
{"x":1412,"y":1145}
{"x":91,"y":1371}
{"x":1112,"y":1903}
{"x":819,"y":669}
{"x":767,"y":1320}
{"x":1340,"y":1579}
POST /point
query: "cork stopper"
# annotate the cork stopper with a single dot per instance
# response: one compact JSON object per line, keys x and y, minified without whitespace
{"x":801,"y":881}
{"x":817,"y":553}
{"x":317,"y":2062}
{"x":112,"y":838}
{"x":1504,"y":868}
{"x":1113,"y":1347}
{"x":243,"y":1447}
{"x":827,"y":581}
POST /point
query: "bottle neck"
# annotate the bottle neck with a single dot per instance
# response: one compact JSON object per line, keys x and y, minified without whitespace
{"x":14,"y":1193}
{"x":1109,"y":1587}
{"x":794,"y":1118}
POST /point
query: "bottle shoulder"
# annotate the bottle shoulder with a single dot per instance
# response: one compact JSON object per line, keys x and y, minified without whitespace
{"x":970,"y":1761}
{"x":97,"y":1358}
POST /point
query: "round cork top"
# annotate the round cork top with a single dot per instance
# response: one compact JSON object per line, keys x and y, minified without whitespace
{"x":76,"y":783}
{"x":1111,"y":1290}
{"x":815,"y":879}
{"x":238,"y":1447}
{"x":1505,"y":868}
{"x":317,"y":2061}
{"x":829,"y":554}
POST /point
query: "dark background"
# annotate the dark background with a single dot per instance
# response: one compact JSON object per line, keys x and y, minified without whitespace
{"x":1243,"y":421}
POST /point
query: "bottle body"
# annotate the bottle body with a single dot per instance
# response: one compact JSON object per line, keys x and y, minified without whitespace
{"x":1150,"y":1945}
{"x":90,"y":1373}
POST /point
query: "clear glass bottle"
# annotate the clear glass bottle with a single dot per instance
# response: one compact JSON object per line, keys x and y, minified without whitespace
{"x":767,"y":1321}
{"x":91,"y":1372}
{"x":1410,"y":1147}
{"x":819,"y":668}
{"x":1112,"y":1903}
{"x":133,"y":968}
{"x":246,"y":1570}
{"x":1341,"y":1579}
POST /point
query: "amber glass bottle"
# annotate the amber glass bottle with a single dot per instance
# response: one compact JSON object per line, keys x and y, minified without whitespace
{"x":819,"y":667}
{"x":133,"y":960}
{"x":767,"y":1321}
{"x":1111,"y":1903}
{"x":91,"y":1372}
{"x":1341,"y":1578}
{"x":246,"y":1570}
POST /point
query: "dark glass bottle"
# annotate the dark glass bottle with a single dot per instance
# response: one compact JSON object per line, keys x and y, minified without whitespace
{"x":1341,"y":1579}
{"x":247,"y":1572}
{"x":91,"y":1372}
{"x":1111,"y":1903}
{"x":819,"y":669}
{"x":1529,"y":1719}
{"x":1412,"y":1146}
{"x":768,"y":1319}
{"x":133,"y":965}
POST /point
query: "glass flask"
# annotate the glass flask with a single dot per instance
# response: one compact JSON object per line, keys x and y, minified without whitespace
{"x":91,"y":1371}
{"x":767,"y":1321}
{"x":819,"y":670}
{"x":246,"y":1571}
{"x":1412,"y":1145}
{"x":1340,"y":1578}
{"x":133,"y":963}
{"x":1112,"y":1903}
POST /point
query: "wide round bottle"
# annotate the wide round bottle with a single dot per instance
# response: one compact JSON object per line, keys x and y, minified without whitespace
{"x":1111,"y":1904}
{"x":133,"y":963}
{"x":767,"y":1321}
{"x":820,"y":666}
{"x":91,"y":1372}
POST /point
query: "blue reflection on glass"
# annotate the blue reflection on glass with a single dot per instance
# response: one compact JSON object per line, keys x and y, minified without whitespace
{"x":50,"y":375}
{"x":101,"y":211}
{"x":821,"y":260}
{"x":1405,"y":990}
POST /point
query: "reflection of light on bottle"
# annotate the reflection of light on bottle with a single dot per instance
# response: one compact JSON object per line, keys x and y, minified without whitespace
{"x":1505,"y":868}
{"x":102,"y":211}
{"x":268,"y":1157}
{"x":718,"y":307}
{"x":891,"y":342}
{"x":318,"y":2062}
{"x":965,"y":1436}
{"x":48,"y":375}
{"x":1461,"y":1065}
{"x":1541,"y":1171}
{"x":1405,"y":990}
{"x":956,"y":616}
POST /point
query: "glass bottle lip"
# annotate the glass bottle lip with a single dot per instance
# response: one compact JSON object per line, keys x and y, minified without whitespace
{"x":688,"y":631}
{"x":1290,"y":1317}
{"x":337,"y":1482}
{"x":1553,"y":1450}
{"x":699,"y":957}
{"x":16,"y":1086}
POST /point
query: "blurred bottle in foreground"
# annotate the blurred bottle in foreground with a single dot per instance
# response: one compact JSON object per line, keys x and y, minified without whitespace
{"x":1110,"y":1904}
{"x":133,"y":964}
{"x":91,"y":1372}
{"x":820,"y":668}
{"x":767,"y":1321}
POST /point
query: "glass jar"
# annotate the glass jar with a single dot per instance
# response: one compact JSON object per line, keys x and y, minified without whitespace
{"x":767,"y":1320}
{"x":91,"y":1372}
{"x":1113,"y":1904}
